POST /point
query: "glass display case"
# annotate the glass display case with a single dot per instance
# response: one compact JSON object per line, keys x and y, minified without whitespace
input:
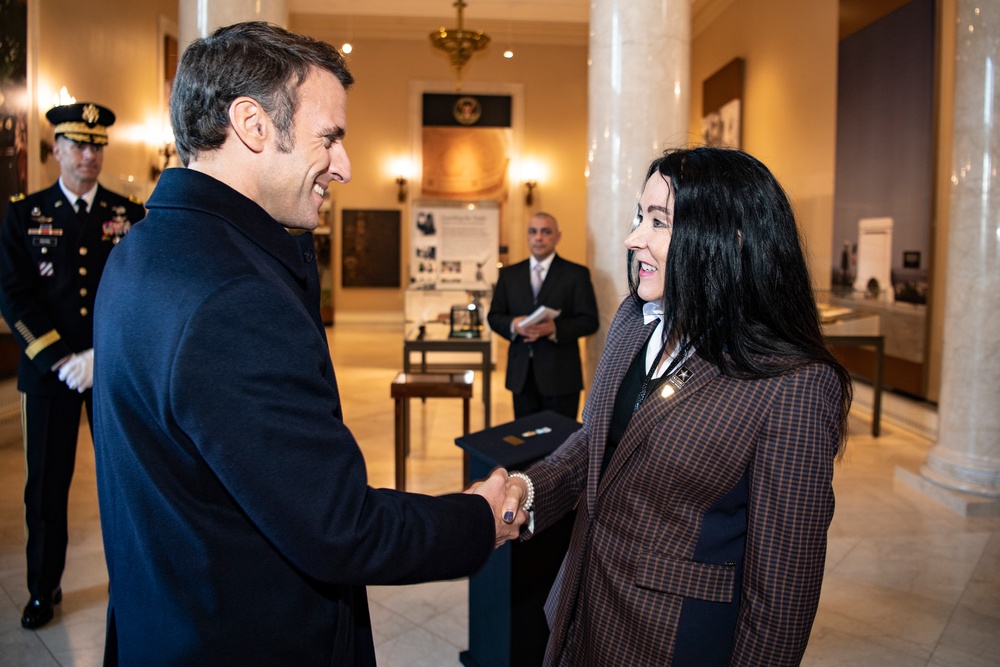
{"x":436,"y":341}
{"x":855,"y":320}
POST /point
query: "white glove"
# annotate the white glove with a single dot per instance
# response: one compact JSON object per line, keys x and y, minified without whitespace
{"x":78,"y":372}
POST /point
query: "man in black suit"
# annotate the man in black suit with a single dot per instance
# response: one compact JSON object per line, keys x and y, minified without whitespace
{"x":53,"y":247}
{"x":239,"y":527}
{"x":543,"y":362}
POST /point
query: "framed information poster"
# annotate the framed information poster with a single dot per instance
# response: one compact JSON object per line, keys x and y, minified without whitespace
{"x":454,"y":245}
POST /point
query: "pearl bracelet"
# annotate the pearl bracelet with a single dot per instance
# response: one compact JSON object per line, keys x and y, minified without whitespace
{"x":529,"y":501}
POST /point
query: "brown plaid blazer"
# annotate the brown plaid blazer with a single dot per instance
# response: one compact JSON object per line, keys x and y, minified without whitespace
{"x":618,"y":598}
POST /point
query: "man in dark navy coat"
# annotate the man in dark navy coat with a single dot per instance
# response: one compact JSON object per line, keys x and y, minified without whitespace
{"x":53,"y":247}
{"x":239,"y":527}
{"x":543,"y":361}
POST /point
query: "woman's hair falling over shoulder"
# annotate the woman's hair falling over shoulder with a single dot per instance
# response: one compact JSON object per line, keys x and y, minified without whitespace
{"x":736,"y":281}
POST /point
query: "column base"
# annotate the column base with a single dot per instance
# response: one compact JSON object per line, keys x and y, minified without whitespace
{"x":965,"y":504}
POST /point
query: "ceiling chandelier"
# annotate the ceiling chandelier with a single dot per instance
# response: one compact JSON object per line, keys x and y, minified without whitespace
{"x":459,"y":43}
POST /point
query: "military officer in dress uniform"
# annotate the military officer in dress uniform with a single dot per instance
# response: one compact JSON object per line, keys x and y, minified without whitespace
{"x":53,"y":247}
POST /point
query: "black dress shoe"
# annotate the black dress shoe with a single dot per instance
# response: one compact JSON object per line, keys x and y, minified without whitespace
{"x":39,"y":610}
{"x":37,"y":613}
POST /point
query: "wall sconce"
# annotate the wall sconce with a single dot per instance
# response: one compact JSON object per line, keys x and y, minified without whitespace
{"x":167,"y":151}
{"x":529,"y":197}
{"x":400,"y":169}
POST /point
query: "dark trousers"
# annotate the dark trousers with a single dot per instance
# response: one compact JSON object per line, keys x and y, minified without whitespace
{"x":531,"y":400}
{"x":50,"y":426}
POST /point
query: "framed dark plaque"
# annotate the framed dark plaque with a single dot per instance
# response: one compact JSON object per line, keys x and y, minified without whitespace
{"x":370,"y":248}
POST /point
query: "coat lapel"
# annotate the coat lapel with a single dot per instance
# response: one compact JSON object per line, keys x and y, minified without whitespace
{"x":684,"y":383}
{"x":619,"y":351}
{"x":551,"y":277}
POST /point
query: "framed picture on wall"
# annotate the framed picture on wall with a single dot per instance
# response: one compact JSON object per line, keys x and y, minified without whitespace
{"x":370,"y":242}
{"x":722,"y":106}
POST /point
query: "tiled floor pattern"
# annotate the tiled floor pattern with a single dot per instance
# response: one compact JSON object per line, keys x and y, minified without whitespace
{"x":908,"y":582}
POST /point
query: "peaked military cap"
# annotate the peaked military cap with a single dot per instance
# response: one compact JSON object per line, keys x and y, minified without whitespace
{"x":85,"y":122}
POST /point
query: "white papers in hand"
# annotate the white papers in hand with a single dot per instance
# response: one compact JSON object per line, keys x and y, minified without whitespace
{"x":541,"y":314}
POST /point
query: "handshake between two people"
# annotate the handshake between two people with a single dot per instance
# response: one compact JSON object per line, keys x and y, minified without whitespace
{"x":506,"y":496}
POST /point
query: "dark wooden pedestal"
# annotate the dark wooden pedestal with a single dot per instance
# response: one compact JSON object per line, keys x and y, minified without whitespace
{"x":507,"y":626}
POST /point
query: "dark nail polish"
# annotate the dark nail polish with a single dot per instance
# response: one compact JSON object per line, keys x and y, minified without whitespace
{"x":508,"y":516}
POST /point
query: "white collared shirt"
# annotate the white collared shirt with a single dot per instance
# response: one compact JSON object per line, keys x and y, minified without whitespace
{"x":652,"y":311}
{"x":89,"y":196}
{"x":546,"y":265}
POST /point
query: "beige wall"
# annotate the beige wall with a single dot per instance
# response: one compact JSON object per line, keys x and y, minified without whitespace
{"x":382,"y":125}
{"x":789,"y":101}
{"x":104,"y":51}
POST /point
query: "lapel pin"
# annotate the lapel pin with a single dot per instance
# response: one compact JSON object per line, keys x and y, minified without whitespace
{"x":680,"y":377}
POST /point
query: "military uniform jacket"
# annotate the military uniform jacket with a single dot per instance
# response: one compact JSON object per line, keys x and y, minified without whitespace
{"x":238,"y":524}
{"x":649,"y":545}
{"x":51,"y":261}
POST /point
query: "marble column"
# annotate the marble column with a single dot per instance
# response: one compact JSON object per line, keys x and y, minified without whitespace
{"x":966,"y":456}
{"x":198,"y":18}
{"x":639,"y":93}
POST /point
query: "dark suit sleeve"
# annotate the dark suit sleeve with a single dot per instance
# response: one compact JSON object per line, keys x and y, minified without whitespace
{"x":583,"y":319}
{"x":500,"y":315}
{"x":291,"y":464}
{"x":22,"y":297}
{"x":791,"y":506}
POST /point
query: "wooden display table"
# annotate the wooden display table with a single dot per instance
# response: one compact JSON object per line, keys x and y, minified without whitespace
{"x":856,"y":328}
{"x":426,"y":385}
{"x":433,"y":339}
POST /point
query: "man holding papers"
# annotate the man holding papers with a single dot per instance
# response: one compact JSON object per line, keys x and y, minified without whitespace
{"x":543,"y":305}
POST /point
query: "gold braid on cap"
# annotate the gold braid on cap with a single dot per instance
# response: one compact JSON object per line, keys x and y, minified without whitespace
{"x":77,"y":131}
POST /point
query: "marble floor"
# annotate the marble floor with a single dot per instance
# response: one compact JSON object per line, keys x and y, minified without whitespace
{"x":908,"y":582}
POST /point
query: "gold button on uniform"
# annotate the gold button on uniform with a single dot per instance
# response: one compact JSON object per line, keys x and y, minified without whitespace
{"x":83,"y":291}
{"x":83,"y":311}
{"x":83,"y":270}
{"x":83,"y":250}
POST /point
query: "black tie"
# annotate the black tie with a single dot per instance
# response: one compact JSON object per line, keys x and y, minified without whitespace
{"x":81,"y":207}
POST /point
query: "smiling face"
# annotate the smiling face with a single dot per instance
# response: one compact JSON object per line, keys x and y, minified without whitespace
{"x":299,"y":172}
{"x":650,"y":237}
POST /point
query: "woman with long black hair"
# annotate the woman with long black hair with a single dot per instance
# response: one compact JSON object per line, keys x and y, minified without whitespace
{"x":702,"y":474}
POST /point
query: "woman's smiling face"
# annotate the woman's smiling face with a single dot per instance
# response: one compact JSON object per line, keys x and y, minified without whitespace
{"x":651,"y":233}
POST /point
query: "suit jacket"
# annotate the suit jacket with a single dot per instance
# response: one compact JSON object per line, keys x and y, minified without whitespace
{"x":50,"y":264}
{"x":648,"y":544}
{"x":567,"y":288}
{"x":238,"y":525}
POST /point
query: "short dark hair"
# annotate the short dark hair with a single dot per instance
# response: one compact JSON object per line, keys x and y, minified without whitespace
{"x":256,"y":59}
{"x":736,"y":283}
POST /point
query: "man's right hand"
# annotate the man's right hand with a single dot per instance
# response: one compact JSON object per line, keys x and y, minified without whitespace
{"x":494,"y":489}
